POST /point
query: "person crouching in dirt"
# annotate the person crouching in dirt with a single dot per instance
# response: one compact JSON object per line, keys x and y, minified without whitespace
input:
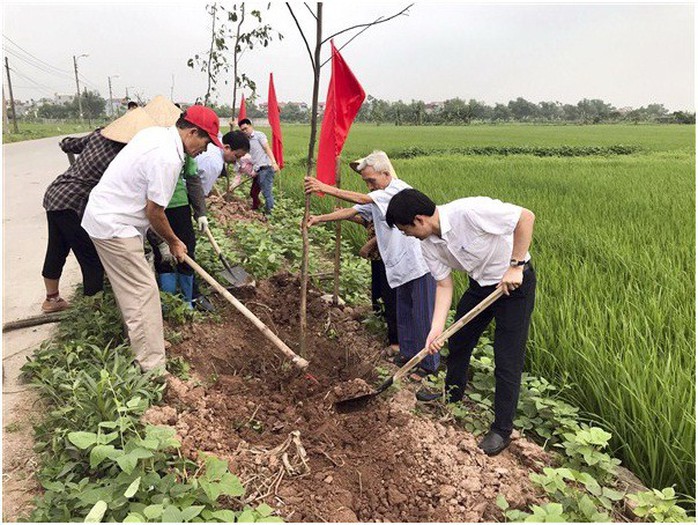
{"x":130,"y":198}
{"x":211,"y":163}
{"x":405,"y":267}
{"x":489,"y":240}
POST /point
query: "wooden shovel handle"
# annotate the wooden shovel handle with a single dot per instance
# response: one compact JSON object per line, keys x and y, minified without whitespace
{"x":216,"y":248}
{"x":449,"y":332}
{"x":295,"y":358}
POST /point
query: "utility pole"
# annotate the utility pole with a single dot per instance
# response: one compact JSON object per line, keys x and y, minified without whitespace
{"x":5,"y":120}
{"x":111,"y":100}
{"x":77,"y":82}
{"x":12,"y":98}
{"x":172,"y":89}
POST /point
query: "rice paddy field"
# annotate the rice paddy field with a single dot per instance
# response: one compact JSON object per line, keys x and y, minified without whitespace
{"x":614,"y":248}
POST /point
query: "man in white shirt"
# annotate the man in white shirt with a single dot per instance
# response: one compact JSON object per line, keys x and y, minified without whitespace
{"x":211,"y":162}
{"x":264,"y":164}
{"x":405,"y":268}
{"x":489,"y":240}
{"x":131,"y":197}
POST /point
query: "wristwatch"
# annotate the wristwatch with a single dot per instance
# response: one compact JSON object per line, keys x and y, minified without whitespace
{"x":515,"y":263}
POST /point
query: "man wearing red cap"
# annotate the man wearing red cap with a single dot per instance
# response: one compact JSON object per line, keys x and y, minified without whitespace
{"x":130,"y":198}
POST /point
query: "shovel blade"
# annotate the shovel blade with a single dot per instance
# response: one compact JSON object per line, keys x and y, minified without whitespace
{"x":355,"y":404}
{"x":237,"y":276}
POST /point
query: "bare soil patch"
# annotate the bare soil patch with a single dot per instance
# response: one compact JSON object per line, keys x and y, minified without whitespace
{"x":278,"y":430}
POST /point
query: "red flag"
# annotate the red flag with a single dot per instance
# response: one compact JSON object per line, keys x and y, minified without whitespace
{"x":277,"y":147}
{"x":344,"y":98}
{"x":243,"y":110}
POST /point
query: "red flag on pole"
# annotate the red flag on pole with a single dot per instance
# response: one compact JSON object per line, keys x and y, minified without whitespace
{"x":344,"y":98}
{"x":277,"y":147}
{"x":243,"y":110}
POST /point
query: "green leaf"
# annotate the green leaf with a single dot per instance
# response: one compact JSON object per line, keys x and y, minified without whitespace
{"x":502,"y":503}
{"x":215,"y":468}
{"x":101,"y":452}
{"x":613,"y":495}
{"x":264,"y":510}
{"x":190,"y":513}
{"x":171,"y":514}
{"x":82,"y":440}
{"x":97,"y":513}
{"x":127,"y":462}
{"x":133,"y":488}
{"x":55,"y":486}
{"x":246,"y":516}
{"x":134,"y":517}
{"x":211,"y":489}
{"x":153,"y":511}
{"x":227,"y":516}
{"x":231,"y":486}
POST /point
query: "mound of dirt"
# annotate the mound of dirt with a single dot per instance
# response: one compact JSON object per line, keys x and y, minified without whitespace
{"x":231,"y":209}
{"x":278,"y":429}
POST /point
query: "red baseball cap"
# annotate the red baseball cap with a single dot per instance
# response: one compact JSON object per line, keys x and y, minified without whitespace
{"x":206,"y":119}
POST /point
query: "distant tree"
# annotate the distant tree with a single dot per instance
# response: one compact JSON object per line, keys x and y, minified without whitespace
{"x":501,"y":113}
{"x":570,"y":112}
{"x":550,"y":111}
{"x":93,"y":105}
{"x":682,"y":117}
{"x":655,"y":111}
{"x":380,"y":110}
{"x":417,"y":112}
{"x":522,"y":109}
{"x":594,"y":110}
{"x":454,"y":111}
{"x":295,"y":113}
{"x":54,"y":111}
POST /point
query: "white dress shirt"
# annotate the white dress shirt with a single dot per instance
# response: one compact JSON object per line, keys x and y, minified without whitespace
{"x":146,"y":169}
{"x":477,"y":236}
{"x":210,"y":166}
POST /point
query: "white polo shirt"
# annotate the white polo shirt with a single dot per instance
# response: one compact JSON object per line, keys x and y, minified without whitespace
{"x":210,"y":166}
{"x":146,"y":169}
{"x":401,"y":255}
{"x":477,"y":236}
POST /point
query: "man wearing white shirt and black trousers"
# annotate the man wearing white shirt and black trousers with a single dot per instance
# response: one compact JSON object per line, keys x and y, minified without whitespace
{"x":489,"y":240}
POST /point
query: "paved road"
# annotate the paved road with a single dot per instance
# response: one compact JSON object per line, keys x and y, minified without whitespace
{"x":28,"y":168}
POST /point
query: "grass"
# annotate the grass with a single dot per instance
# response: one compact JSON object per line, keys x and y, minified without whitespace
{"x":37,"y":130}
{"x":614,"y":249}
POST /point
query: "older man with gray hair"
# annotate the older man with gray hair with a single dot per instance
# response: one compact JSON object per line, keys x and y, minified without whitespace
{"x":405,"y":267}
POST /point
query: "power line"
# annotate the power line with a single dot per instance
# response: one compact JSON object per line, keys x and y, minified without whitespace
{"x":35,"y":57}
{"x":34,"y":64}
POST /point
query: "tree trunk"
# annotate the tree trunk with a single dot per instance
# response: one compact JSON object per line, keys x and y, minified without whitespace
{"x":309,"y":171}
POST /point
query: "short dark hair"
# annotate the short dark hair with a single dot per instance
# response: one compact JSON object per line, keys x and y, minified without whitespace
{"x":244,"y":121}
{"x":406,"y":205}
{"x":182,"y":123}
{"x":132,"y":104}
{"x":236,"y":140}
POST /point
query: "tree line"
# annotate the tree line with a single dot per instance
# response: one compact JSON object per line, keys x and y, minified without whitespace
{"x":455,"y":111}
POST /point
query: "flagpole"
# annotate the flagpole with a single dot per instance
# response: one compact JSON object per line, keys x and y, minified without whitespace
{"x":337,"y":235}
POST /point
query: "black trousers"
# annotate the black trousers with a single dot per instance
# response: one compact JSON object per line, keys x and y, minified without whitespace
{"x":65,"y":234}
{"x":381,"y":290}
{"x":180,"y":222}
{"x":512,"y":315}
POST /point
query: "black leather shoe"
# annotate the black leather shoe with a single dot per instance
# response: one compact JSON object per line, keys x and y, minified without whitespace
{"x":400,"y":360}
{"x":492,"y":444}
{"x":425,"y":395}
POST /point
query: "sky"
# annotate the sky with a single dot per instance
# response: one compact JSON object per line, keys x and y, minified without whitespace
{"x":625,"y":54}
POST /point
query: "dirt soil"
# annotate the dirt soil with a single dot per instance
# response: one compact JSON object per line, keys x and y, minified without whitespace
{"x":278,"y":429}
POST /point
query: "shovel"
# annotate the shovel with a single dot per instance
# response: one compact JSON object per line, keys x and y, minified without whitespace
{"x":357,"y":403}
{"x":271,"y":336}
{"x":236,"y":276}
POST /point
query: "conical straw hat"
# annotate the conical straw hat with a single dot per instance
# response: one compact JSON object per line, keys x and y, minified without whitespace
{"x":158,"y":112}
{"x":164,"y":112}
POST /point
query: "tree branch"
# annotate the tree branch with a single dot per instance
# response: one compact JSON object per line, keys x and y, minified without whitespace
{"x":349,"y":41}
{"x":378,"y":21}
{"x":310,"y":10}
{"x":307,"y":46}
